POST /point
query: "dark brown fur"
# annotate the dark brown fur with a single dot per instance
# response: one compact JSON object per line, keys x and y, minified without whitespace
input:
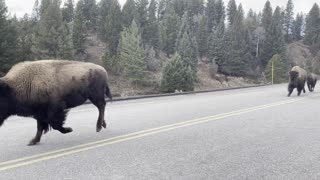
{"x":49,"y":101}
{"x":297,"y":79}
{"x":311,"y":81}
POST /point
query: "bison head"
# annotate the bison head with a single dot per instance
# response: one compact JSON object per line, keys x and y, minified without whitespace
{"x":4,"y":101}
{"x":293,"y":76}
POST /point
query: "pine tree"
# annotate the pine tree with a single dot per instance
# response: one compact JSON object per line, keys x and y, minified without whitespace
{"x":194,"y":7}
{"x":231,"y":11}
{"x":113,"y":26}
{"x":169,"y":30}
{"x":151,"y":29}
{"x":51,"y":39}
{"x":67,"y":11}
{"x":187,"y":51}
{"x":274,"y":42}
{"x":162,"y":8}
{"x":210,"y":14}
{"x":25,"y":30}
{"x":288,"y":20}
{"x":237,"y":59}
{"x":266,"y":16}
{"x":131,"y":54}
{"x":8,"y":40}
{"x":177,"y":76}
{"x":216,"y":45}
{"x":312,"y":33}
{"x":297,"y":27}
{"x":142,"y":19}
{"x":219,"y":12}
{"x":180,"y":6}
{"x":90,"y":12}
{"x":279,"y":72}
{"x":79,"y":34}
{"x":36,"y":11}
{"x":128,"y":13}
{"x":202,"y":37}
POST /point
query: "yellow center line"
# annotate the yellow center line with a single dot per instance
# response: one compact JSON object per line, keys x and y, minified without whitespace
{"x":92,"y":145}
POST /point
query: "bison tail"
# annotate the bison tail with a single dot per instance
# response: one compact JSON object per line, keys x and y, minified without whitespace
{"x":108,"y":92}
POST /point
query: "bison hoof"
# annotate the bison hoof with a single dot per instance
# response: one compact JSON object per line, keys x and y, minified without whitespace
{"x":99,"y":128}
{"x":33,"y":142}
{"x":104,"y":124}
{"x":67,"y":130}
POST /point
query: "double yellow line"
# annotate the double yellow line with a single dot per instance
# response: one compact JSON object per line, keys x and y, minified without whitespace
{"x":93,"y":145}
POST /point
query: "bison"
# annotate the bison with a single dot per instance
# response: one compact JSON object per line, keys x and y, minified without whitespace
{"x":297,"y":79}
{"x":311,"y":81}
{"x":47,"y":89}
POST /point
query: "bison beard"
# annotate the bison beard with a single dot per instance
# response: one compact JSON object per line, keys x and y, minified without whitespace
{"x":51,"y":111}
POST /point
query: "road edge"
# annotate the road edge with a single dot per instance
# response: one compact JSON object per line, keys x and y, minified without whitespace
{"x":127,"y":98}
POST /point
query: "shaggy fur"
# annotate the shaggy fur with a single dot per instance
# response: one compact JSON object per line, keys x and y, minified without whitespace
{"x":311,"y":81}
{"x":47,"y":89}
{"x":297,"y":79}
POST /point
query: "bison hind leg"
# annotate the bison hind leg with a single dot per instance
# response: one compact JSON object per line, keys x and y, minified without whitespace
{"x":99,"y":101}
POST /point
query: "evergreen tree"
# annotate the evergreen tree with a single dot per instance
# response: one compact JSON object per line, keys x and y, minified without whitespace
{"x":216,"y":45}
{"x":237,"y":59}
{"x":128,"y":13}
{"x":177,"y":76}
{"x":162,"y":8}
{"x":36,"y":11}
{"x":219,"y":12}
{"x":274,"y":42}
{"x":151,"y":30}
{"x":180,"y":6}
{"x":210,"y":14}
{"x":131,"y":54}
{"x":79,"y":34}
{"x":187,"y":52}
{"x":8,"y":40}
{"x":202,"y":37}
{"x":50,"y":35}
{"x":43,"y":7}
{"x":142,"y":19}
{"x":25,"y":29}
{"x":67,"y":11}
{"x":266,"y":16}
{"x":279,"y":70}
{"x":90,"y":12}
{"x":288,"y":20}
{"x":194,"y":7}
{"x":169,"y":30}
{"x":312,"y":33}
{"x":231,"y":11}
{"x":113,"y":26}
{"x":297,"y":27}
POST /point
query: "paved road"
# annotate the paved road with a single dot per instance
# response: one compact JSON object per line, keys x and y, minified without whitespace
{"x":255,"y":133}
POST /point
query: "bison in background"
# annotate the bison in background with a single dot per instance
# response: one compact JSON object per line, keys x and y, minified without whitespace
{"x":311,"y":81}
{"x":47,"y":89}
{"x":297,"y":79}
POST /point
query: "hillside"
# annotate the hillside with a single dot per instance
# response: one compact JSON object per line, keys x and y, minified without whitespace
{"x":300,"y":54}
{"x":122,"y":86}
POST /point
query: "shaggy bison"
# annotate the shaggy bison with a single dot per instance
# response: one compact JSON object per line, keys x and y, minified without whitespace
{"x":311,"y":81}
{"x":47,"y":89}
{"x":297,"y":79}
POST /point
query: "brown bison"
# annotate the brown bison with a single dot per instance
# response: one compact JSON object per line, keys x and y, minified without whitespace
{"x":297,"y":79}
{"x":47,"y":89}
{"x":311,"y":81}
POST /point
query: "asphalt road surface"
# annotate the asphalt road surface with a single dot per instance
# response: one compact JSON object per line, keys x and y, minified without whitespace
{"x":255,"y":133}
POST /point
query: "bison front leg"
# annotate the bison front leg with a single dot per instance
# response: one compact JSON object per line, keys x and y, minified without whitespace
{"x":41,"y":128}
{"x":56,"y":118}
